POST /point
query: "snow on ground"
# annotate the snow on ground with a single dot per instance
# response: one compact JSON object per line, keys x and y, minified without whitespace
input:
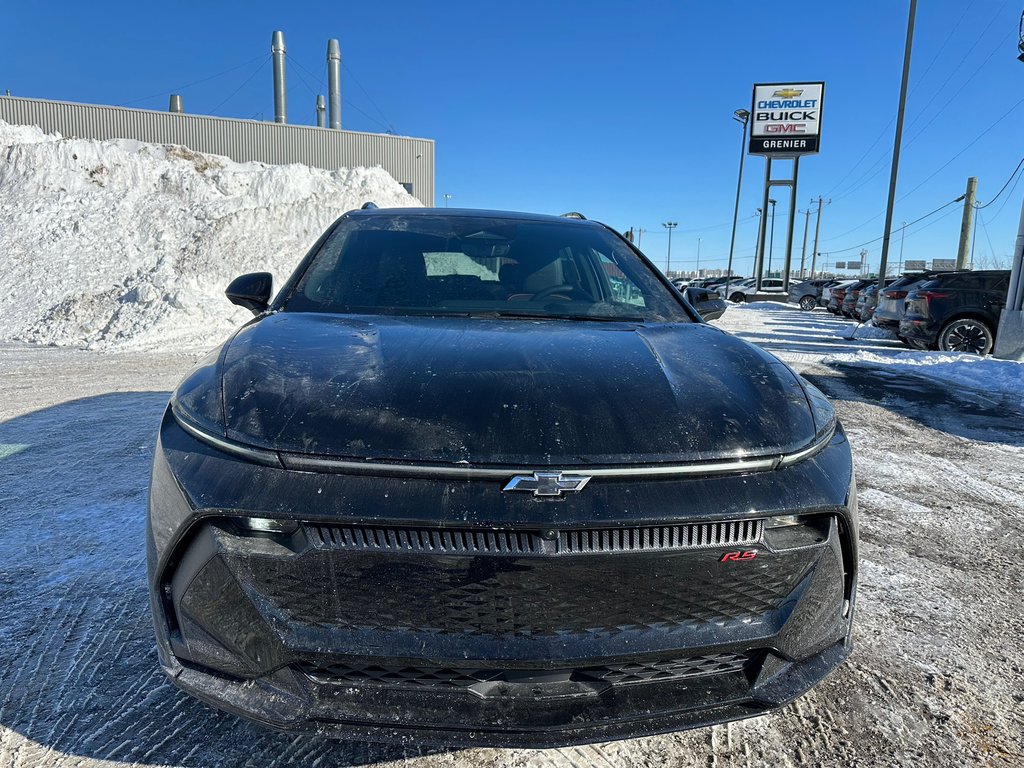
{"x":823,"y":338}
{"x":988,"y":373}
{"x":124,"y":244}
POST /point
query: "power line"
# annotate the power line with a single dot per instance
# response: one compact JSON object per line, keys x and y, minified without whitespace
{"x":244,"y":83}
{"x":196,"y":82}
{"x":1015,"y":171}
{"x":905,"y":195}
{"x":908,"y":224}
{"x":870,"y":173}
{"x":351,"y":74}
{"x":371,"y":118}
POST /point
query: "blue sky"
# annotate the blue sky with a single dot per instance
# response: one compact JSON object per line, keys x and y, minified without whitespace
{"x":619,"y":110}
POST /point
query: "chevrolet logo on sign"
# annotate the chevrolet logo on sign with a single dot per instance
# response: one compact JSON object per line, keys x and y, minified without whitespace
{"x":786,"y":93}
{"x":547,"y":483}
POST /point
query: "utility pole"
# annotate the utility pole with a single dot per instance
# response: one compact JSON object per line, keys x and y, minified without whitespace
{"x":698,"y":257}
{"x":639,"y":233}
{"x":894,"y":173}
{"x":669,"y":225}
{"x":967,"y":222}
{"x":803,"y":253}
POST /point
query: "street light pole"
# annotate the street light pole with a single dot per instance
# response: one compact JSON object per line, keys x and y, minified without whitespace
{"x":447,"y":197}
{"x":669,"y":225}
{"x":698,"y":257}
{"x":894,"y":172}
{"x":742,"y":116}
{"x":771,"y":241}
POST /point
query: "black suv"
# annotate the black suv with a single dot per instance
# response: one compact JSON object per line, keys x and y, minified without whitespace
{"x":956,"y":312}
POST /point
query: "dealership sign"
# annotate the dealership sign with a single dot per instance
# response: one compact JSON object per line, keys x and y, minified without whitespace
{"x":786,"y":119}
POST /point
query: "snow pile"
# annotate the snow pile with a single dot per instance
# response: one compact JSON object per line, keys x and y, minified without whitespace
{"x":984,"y":373}
{"x":123,"y":243}
{"x":872,"y":331}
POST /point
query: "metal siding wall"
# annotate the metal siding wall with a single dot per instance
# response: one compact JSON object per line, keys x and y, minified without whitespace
{"x":241,"y":140}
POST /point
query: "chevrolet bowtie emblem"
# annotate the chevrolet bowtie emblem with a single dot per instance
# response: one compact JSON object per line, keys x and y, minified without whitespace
{"x":547,"y":483}
{"x":787,"y":93}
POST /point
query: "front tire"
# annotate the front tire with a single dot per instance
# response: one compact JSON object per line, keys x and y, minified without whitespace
{"x":966,"y":335}
{"x":738,"y":298}
{"x":807,"y":303}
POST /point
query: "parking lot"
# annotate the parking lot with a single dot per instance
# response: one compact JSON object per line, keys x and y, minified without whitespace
{"x":935,"y":678}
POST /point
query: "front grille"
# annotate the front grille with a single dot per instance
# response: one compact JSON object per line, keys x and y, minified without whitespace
{"x":691,"y":536}
{"x":469,"y":541}
{"x":503,"y":597}
{"x":625,"y":673}
{"x":434,"y":540}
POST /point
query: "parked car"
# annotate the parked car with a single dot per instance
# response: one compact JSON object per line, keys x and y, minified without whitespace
{"x":868,"y":300}
{"x":681,"y":283}
{"x":808,"y":293}
{"x":850,"y":298}
{"x":836,"y":294}
{"x":508,"y":508}
{"x":746,"y":289}
{"x":707,"y":302}
{"x":892,"y":299}
{"x":956,"y":311}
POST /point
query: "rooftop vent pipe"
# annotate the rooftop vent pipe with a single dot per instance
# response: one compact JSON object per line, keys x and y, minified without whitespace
{"x":320,"y":109}
{"x":175,"y":105}
{"x":334,"y":83}
{"x":280,"y":103}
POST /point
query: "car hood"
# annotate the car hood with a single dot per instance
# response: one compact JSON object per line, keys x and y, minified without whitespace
{"x":534,"y":393}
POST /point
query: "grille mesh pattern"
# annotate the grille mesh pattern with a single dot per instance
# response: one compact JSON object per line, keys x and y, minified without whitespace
{"x":425,"y":539}
{"x":616,"y":674}
{"x":511,"y":542}
{"x":499,"y":597}
{"x":734,"y":533}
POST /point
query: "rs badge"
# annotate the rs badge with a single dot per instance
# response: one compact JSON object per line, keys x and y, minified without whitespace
{"x":740,"y":555}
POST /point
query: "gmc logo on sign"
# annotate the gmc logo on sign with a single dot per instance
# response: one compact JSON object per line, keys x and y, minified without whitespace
{"x":786,"y":128}
{"x":733,"y":557}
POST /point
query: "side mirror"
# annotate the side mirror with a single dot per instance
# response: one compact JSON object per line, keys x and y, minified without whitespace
{"x":251,"y":291}
{"x":708,"y":303}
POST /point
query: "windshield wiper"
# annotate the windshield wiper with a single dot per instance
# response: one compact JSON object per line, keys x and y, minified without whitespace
{"x":498,"y":313}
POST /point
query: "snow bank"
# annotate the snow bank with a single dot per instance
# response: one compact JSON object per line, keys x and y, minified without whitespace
{"x":984,"y":373}
{"x":872,"y":331}
{"x":121,"y":243}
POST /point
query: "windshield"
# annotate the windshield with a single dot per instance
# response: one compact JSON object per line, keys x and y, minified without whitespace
{"x":470,"y":265}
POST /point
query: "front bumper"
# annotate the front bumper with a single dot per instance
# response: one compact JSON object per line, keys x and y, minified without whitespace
{"x":504,"y":633}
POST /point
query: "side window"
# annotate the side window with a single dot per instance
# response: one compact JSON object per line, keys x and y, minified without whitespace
{"x":624,"y":290}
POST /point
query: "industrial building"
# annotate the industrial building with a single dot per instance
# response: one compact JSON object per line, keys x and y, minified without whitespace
{"x":409,"y":160}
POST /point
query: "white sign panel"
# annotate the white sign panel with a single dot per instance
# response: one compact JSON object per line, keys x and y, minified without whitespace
{"x":785,"y":120}
{"x":914,"y":266}
{"x":938,"y":264}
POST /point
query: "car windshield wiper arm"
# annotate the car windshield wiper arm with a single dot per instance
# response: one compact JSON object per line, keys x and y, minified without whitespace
{"x":548,"y":316}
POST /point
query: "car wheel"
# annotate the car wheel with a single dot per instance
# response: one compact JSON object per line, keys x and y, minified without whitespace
{"x":966,"y":335}
{"x":739,"y":298}
{"x":807,"y":303}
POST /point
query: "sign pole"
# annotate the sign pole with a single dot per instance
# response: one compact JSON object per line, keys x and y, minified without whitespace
{"x":792,"y":224}
{"x":759,"y":261}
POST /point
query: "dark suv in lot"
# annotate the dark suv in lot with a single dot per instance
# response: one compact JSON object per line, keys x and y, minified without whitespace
{"x":956,"y":312}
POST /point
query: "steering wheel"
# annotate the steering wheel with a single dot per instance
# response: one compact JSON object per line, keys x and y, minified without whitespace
{"x":551,"y":291}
